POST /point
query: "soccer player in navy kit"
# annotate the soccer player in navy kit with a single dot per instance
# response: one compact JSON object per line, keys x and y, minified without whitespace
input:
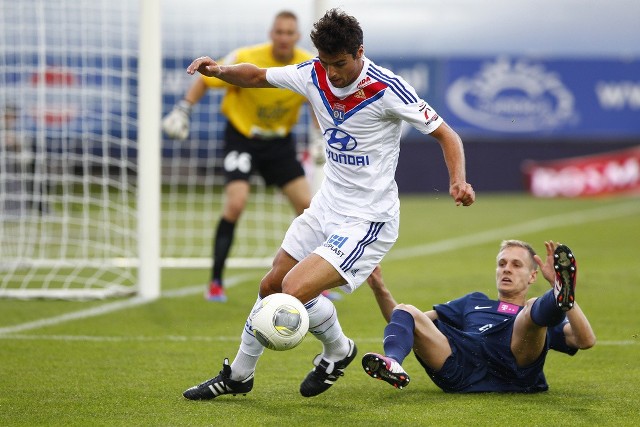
{"x":477,"y":344}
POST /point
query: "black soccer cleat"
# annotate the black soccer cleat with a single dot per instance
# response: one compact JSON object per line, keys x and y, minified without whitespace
{"x":566,"y":269}
{"x":386,"y":369}
{"x":326,"y":373}
{"x":220,"y":385}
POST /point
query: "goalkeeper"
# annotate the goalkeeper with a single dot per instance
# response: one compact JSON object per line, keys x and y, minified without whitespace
{"x":257,"y":137}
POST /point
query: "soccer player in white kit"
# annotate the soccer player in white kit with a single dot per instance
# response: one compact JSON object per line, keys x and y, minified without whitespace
{"x":353,"y":219}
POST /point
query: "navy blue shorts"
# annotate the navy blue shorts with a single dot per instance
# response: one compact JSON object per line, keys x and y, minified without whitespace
{"x":484,"y":363}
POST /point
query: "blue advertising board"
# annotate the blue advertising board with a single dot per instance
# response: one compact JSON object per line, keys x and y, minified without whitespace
{"x":496,"y":98}
{"x":560,"y":98}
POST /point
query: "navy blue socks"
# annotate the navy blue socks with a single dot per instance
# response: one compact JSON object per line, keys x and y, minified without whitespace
{"x":398,"y":335}
{"x":545,"y":311}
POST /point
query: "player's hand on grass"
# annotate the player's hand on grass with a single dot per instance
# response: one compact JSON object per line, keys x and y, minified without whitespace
{"x":546,"y":267}
{"x":176,"y":123}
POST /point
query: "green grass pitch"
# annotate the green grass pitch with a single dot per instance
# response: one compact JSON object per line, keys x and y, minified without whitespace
{"x":87,"y":364}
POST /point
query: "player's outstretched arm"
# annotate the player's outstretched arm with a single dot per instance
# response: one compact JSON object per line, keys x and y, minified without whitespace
{"x":243,"y":75}
{"x":385,"y":300}
{"x":546,"y":265}
{"x":461,"y":191}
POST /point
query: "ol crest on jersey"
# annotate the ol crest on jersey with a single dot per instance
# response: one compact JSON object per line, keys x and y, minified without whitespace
{"x":338,"y":112}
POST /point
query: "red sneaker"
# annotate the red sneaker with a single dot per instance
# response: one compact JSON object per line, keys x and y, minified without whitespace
{"x":215,"y":292}
{"x":385,"y":368}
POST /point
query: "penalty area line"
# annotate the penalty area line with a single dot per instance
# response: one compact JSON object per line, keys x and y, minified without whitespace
{"x":111,"y":307}
{"x":540,"y":224}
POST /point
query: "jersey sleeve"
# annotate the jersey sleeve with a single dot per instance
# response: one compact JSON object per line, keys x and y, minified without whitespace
{"x":293,"y":77}
{"x":452,"y":312}
{"x":401,"y":101}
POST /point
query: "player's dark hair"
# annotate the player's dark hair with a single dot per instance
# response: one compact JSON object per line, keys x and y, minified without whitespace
{"x":336,"y":33}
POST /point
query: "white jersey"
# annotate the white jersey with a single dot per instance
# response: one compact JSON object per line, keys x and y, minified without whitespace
{"x":361,"y":124}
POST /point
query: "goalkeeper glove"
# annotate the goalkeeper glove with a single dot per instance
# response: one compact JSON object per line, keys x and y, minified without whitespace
{"x":317,"y":146}
{"x":176,"y":123}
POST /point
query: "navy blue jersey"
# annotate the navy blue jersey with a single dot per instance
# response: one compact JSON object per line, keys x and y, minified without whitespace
{"x":479,"y":331}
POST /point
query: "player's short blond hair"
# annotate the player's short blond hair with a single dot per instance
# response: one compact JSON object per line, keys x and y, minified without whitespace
{"x":512,"y":243}
{"x":286,"y":14}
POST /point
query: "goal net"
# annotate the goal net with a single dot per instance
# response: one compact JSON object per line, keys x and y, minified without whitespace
{"x":67,"y":178}
{"x":193,"y":169}
{"x":68,"y":161}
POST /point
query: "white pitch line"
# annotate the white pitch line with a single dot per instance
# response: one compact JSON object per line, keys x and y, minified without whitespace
{"x":576,"y":218}
{"x":82,"y":314}
{"x":182,"y":338}
{"x":111,"y":307}
{"x":546,"y":223}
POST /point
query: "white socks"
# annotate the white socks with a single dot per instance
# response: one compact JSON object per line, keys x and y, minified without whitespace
{"x":249,"y":352}
{"x":323,"y":324}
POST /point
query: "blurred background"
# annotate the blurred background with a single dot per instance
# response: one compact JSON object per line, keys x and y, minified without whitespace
{"x":545,"y":95}
{"x":520,"y":81}
{"x":562,"y":28}
{"x":525,"y":80}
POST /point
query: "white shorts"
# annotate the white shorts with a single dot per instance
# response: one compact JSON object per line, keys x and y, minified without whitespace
{"x":353,"y":246}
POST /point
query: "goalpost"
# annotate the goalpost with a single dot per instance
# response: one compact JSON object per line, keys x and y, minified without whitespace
{"x":68,"y":162}
{"x":94,"y":201}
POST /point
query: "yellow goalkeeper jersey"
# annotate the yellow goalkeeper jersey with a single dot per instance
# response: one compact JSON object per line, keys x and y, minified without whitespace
{"x":255,"y":112}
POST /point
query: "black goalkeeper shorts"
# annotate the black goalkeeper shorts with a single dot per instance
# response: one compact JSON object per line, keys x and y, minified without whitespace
{"x":276,"y":160}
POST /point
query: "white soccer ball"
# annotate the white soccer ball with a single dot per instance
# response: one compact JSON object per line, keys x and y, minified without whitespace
{"x":281,"y":322}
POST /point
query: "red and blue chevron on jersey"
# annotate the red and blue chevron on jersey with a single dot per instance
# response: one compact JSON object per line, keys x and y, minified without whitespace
{"x":342,"y":109}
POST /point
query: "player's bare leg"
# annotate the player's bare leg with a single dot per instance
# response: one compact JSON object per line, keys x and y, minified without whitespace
{"x":528,"y":338}
{"x":408,"y":329}
{"x":429,"y":343}
{"x":272,"y":281}
{"x":306,"y":281}
{"x":530,"y":328}
{"x":298,"y":193}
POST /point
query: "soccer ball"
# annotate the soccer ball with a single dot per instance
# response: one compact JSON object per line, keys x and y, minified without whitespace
{"x":280,"y":322}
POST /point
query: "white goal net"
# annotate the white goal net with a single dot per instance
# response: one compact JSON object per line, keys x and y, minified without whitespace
{"x":192,"y":169}
{"x":69,"y":89}
{"x":67,"y":178}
